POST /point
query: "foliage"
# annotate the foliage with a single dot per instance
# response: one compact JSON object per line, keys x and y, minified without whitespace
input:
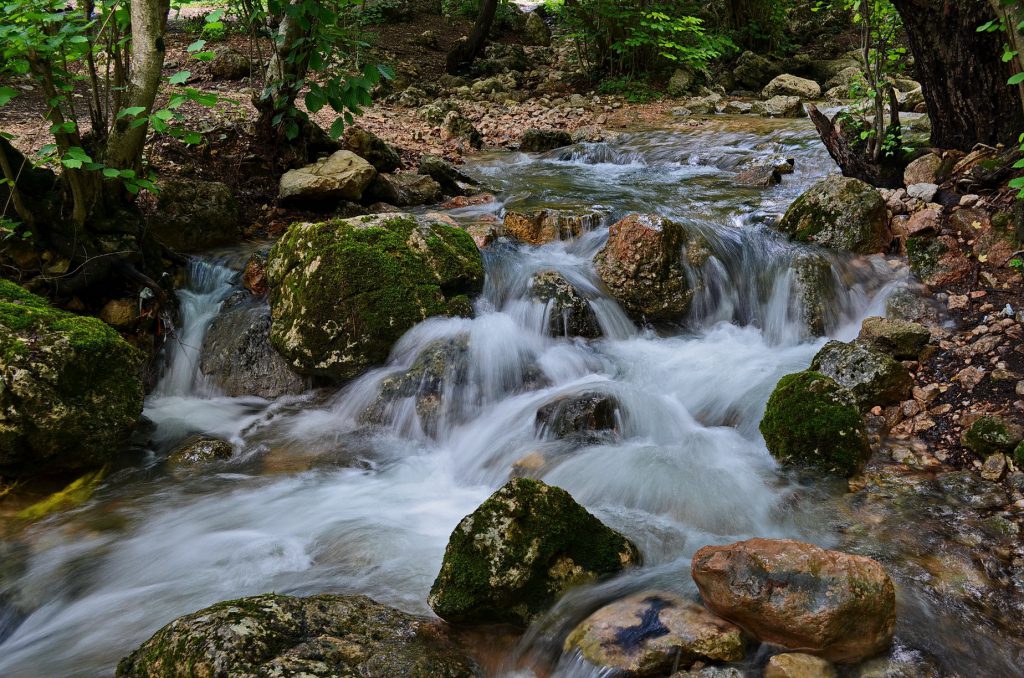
{"x":1008,"y":21}
{"x":505,"y":18}
{"x":633,"y":90}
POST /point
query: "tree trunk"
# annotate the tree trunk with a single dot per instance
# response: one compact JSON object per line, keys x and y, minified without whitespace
{"x":853,"y":159}
{"x":962,"y":73}
{"x":465,"y":53}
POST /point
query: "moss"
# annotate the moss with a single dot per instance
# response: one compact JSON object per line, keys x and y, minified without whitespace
{"x":812,"y":421}
{"x":989,"y":435}
{"x":1018,"y":456}
{"x":75,"y":494}
{"x":840,"y":213}
{"x":924,"y":253}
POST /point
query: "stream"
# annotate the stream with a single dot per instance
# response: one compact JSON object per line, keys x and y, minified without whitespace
{"x":314,"y":500}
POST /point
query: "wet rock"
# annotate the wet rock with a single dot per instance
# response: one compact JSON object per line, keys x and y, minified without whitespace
{"x":403,"y":190}
{"x":924,"y":170}
{"x":780,"y":106}
{"x":70,"y":387}
{"x":509,"y":560}
{"x":585,"y":415}
{"x":342,"y":176}
{"x":899,"y":338}
{"x":650,"y":633}
{"x":791,"y":85}
{"x":642,"y":267}
{"x":200,"y":450}
{"x":459,"y":126}
{"x":536,"y":32}
{"x":839,"y":213}
{"x":230,"y":64}
{"x":254,"y":277}
{"x":569,"y":312}
{"x":317,"y":637}
{"x":193,"y":215}
{"x":873,"y":377}
{"x":817,"y":293}
{"x":445,"y":174}
{"x":798,"y":665}
{"x":122,"y":313}
{"x":967,"y":489}
{"x":812,"y":421}
{"x":540,"y":140}
{"x":991,"y":435}
{"x":344,"y":291}
{"x":759,"y":175}
{"x":834,"y":605}
{"x":545,"y":226}
{"x":373,"y":150}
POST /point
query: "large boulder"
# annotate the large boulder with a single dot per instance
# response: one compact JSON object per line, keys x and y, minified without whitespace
{"x":834,"y":605}
{"x":344,"y":291}
{"x":317,"y":637}
{"x":642,"y":265}
{"x":779,"y":106}
{"x":791,"y":85}
{"x":839,"y":213}
{"x":540,"y":140}
{"x":752,"y":71}
{"x":811,"y":421}
{"x":341,"y":176}
{"x":510,"y":559}
{"x":70,"y":387}
{"x":569,"y":313}
{"x":902,"y":339}
{"x":652,"y":633}
{"x":193,"y":215}
{"x":444,"y":173}
{"x":403,"y":190}
{"x":373,"y":150}
{"x":873,"y":377}
{"x":230,"y":64}
{"x":536,"y":31}
{"x":543,"y":226}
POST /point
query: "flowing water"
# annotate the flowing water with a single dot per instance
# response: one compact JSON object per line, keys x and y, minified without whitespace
{"x":317,"y":500}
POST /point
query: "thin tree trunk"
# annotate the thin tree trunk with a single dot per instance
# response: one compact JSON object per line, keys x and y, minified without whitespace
{"x":855,"y":162}
{"x":465,"y":53}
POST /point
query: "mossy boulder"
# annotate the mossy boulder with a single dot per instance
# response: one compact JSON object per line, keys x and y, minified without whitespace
{"x":873,"y":377}
{"x":344,"y":291}
{"x":990,"y":435}
{"x":71,"y":387}
{"x":512,"y":558}
{"x":839,"y":213}
{"x":317,"y":637}
{"x":899,"y":338}
{"x":813,"y":422}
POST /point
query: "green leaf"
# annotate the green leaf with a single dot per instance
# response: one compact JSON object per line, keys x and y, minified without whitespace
{"x":179,"y":77}
{"x":1016,"y":79}
{"x":71,"y":163}
{"x":111,"y":173}
{"x":337,"y":129}
{"x":6,"y":94}
{"x":1019,"y":164}
{"x":131,"y":110}
{"x":196,"y":46}
{"x":193,"y":138}
{"x":1016,"y":183}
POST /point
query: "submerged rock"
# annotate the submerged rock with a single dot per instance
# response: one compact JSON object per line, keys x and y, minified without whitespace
{"x":193,"y":215}
{"x":569,"y":312}
{"x":543,"y":226}
{"x":873,"y":377}
{"x":798,"y":665}
{"x":200,"y":450}
{"x":649,"y":634}
{"x":839,"y":213}
{"x":899,"y":338}
{"x":342,"y":176}
{"x":585,"y":415}
{"x":70,"y":387}
{"x":317,"y":637}
{"x":834,"y":605}
{"x":539,"y":140}
{"x":509,"y":560}
{"x":344,"y":291}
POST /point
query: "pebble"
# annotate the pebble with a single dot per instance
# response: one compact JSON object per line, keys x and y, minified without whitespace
{"x":994,"y":468}
{"x":969,"y":377}
{"x":957,"y":301}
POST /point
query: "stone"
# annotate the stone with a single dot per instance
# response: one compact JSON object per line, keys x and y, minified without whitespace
{"x":791,"y":85}
{"x":650,"y":633}
{"x":545,"y":226}
{"x":739,"y":107}
{"x":516,"y":554}
{"x":924,"y":192}
{"x":459,"y":126}
{"x":839,"y":213}
{"x":321,"y":636}
{"x":681,"y":82}
{"x":373,"y":150}
{"x":761,"y":176}
{"x":924,"y":223}
{"x":753,"y":71}
{"x":780,"y":106}
{"x":937,"y":262}
{"x":537,"y":32}
{"x":813,"y":422}
{"x":230,"y":64}
{"x":798,"y":665}
{"x":193,"y":215}
{"x":834,"y":605}
{"x":990,"y":435}
{"x":540,"y":140}
{"x":901,"y":339}
{"x":845,"y":78}
{"x":344,"y":291}
{"x":199,"y":450}
{"x":873,"y":377}
{"x":969,"y":377}
{"x":912,"y":101}
{"x":121,"y":313}
{"x":70,"y":387}
{"x":569,"y":313}
{"x":403,"y":190}
{"x":254,"y":276}
{"x":994,"y":467}
{"x":923,"y":170}
{"x":342,"y":176}
{"x":816,"y":289}
{"x":586,"y":415}
{"x":445,"y":174}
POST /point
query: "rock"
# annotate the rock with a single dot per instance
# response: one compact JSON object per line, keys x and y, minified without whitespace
{"x":705,"y":105}
{"x":193,"y":215}
{"x":681,"y":82}
{"x":537,"y":32}
{"x":910,"y":102}
{"x":839,"y":213}
{"x":642,"y":266}
{"x":738,"y":107}
{"x":200,"y":450}
{"x":924,"y":170}
{"x":937,"y":262}
{"x":569,"y":312}
{"x":791,"y":85}
{"x":827,"y":69}
{"x":994,"y":468}
{"x":459,"y":126}
{"x":812,"y":421}
{"x":753,"y":71}
{"x":873,"y":377}
{"x":445,"y":174}
{"x":583,"y":415}
{"x":230,"y":64}
{"x":899,"y":338}
{"x":990,"y":435}
{"x":651,"y":633}
{"x":845,"y":78}
{"x":681,"y":112}
{"x":924,"y":223}
{"x":780,"y":106}
{"x":404,"y":190}
{"x":833,"y":605}
{"x":342,"y":176}
{"x":546,"y":226}
{"x":923,"y":192}
{"x":344,"y":291}
{"x":239,"y":359}
{"x":509,"y":560}
{"x":905,"y":304}
{"x":254,"y":277}
{"x":317,"y":637}
{"x":122,"y":313}
{"x":540,"y":140}
{"x":798,"y":665}
{"x":967,"y":489}
{"x":760,"y":175}
{"x":817,"y":286}
{"x":427,"y":39}
{"x":70,"y":387}
{"x":373,"y":150}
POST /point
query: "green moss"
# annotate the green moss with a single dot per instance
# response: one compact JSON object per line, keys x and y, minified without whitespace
{"x":924,"y":253}
{"x":812,"y":421}
{"x":989,"y":435}
{"x":1018,"y":456}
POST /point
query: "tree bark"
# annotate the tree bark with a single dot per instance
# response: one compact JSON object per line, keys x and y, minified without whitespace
{"x":962,"y":73}
{"x":854,"y":160}
{"x":465,"y":53}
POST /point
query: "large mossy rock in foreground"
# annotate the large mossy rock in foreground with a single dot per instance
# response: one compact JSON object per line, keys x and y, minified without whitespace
{"x":71,"y":387}
{"x":839,"y":213}
{"x":343,"y":292}
{"x":512,"y":558}
{"x":812,"y":421}
{"x":317,"y":637}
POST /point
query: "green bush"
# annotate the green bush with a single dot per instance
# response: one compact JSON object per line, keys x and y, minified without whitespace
{"x":633,"y":90}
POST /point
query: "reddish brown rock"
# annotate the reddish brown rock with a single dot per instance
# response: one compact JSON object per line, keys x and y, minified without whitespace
{"x":834,"y":605}
{"x":548,"y":225}
{"x":254,"y":278}
{"x":925,"y":222}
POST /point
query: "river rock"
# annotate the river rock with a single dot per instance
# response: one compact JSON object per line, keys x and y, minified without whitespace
{"x":322,"y":636}
{"x":816,"y":292}
{"x":901,"y":339}
{"x":254,"y":276}
{"x":70,"y":387}
{"x":445,"y":174}
{"x":991,"y":435}
{"x":200,"y":450}
{"x":642,"y":265}
{"x":344,"y":291}
{"x":403,"y":190}
{"x":650,"y":633}
{"x":834,"y":605}
{"x":845,"y":78}
{"x":569,"y":312}
{"x":580,"y":415}
{"x":543,"y":226}
{"x":798,"y":665}
{"x":193,"y":215}
{"x":540,"y":140}
{"x":839,"y":213}
{"x":791,"y":85}
{"x":342,"y":176}
{"x":703,"y":105}
{"x":753,"y":71}
{"x":459,"y":126}
{"x":373,"y":150}
{"x":924,"y":170}
{"x":230,"y":64}
{"x":536,"y":32}
{"x":681,"y":82}
{"x":780,"y":106}
{"x":812,"y":421}
{"x":759,"y":175}
{"x":873,"y":377}
{"x":509,"y":560}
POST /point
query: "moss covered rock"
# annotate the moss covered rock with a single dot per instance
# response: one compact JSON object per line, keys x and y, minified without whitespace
{"x":509,"y":560}
{"x":814,"y":422}
{"x":317,"y":637}
{"x":343,"y":292}
{"x":873,"y":377}
{"x":899,"y":338}
{"x":989,"y":435}
{"x":71,"y":387}
{"x":839,"y":213}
